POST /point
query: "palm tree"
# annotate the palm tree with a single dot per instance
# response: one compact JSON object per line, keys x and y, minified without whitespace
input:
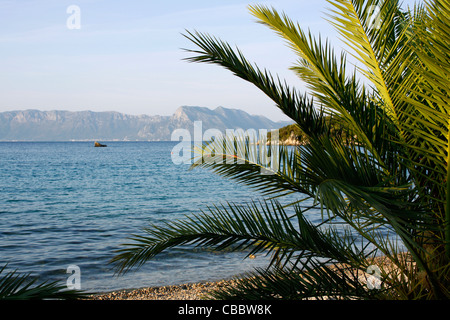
{"x":387,"y":178}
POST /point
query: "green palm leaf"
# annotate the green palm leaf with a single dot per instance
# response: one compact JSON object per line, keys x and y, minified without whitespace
{"x":14,"y":286}
{"x":352,"y":19}
{"x":258,"y":228}
{"x":273,"y":171}
{"x":315,"y":280}
{"x":298,"y":107}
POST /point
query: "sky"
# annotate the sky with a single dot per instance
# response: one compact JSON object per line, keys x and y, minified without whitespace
{"x":127,"y":55}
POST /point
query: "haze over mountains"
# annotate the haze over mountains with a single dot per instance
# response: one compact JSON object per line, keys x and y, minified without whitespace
{"x":35,"y":125}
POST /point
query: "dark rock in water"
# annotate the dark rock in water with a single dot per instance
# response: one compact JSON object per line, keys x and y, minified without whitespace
{"x":99,"y":145}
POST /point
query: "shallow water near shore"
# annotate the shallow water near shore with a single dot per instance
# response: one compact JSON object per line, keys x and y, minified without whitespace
{"x":68,"y":203}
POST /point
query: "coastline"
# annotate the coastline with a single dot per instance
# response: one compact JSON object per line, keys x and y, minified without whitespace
{"x":201,"y":290}
{"x":186,"y":292}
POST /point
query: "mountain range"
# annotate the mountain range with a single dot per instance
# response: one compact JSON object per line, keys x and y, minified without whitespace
{"x":35,"y":125}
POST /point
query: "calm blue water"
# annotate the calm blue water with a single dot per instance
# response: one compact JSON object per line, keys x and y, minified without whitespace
{"x":69,"y":203}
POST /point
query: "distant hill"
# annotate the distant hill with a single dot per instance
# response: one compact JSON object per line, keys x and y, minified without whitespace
{"x":35,"y":125}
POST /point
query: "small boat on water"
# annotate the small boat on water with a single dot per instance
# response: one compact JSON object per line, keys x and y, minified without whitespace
{"x":99,"y":145}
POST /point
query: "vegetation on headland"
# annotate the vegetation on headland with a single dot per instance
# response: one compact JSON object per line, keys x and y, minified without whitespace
{"x":292,"y":134}
{"x":387,"y":178}
{"x":288,"y":135}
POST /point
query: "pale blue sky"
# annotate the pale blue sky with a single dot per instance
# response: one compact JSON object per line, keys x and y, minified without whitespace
{"x":127,"y":56}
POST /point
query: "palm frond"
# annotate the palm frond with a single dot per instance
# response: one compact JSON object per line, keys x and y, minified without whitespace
{"x":317,"y":280}
{"x":272,"y":170}
{"x":15,"y":286}
{"x":295,"y":105}
{"x":354,"y":21}
{"x":258,"y":228}
{"x":349,"y":102}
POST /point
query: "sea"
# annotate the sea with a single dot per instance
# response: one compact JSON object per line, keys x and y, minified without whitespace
{"x":65,"y":204}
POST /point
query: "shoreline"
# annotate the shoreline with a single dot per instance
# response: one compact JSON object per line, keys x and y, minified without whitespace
{"x":187,"y":292}
{"x":201,"y":290}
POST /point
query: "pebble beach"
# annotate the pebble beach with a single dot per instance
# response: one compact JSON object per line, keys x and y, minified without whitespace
{"x":193,"y":291}
{"x":201,"y":290}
